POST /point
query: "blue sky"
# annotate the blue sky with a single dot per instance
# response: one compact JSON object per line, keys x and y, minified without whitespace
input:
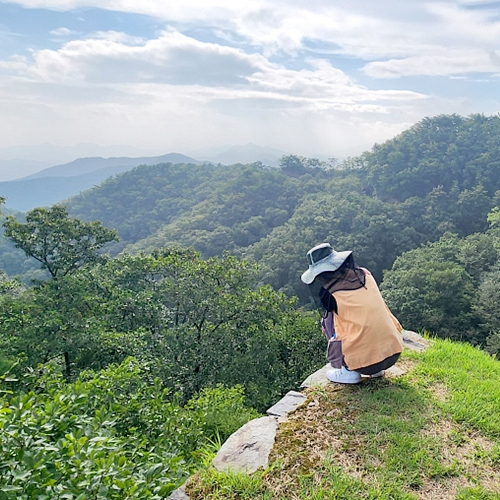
{"x":315,"y":77}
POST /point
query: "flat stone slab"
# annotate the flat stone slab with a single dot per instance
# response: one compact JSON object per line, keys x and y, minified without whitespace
{"x":394,"y":371}
{"x":248,"y":448}
{"x":291,"y":401}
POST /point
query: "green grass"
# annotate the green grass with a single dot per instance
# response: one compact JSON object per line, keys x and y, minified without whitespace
{"x":472,"y":379}
{"x":218,"y":485}
{"x":436,"y":429}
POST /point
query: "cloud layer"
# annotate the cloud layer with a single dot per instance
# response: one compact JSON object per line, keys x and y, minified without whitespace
{"x":319,"y":77}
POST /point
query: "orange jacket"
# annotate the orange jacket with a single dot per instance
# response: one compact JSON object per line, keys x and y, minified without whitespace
{"x":368,"y":330}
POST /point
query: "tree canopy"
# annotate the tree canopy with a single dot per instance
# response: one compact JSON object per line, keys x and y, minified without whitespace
{"x":60,"y":243}
{"x":440,"y":175}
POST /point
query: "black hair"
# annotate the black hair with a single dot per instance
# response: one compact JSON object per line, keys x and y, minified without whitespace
{"x":349,"y":276}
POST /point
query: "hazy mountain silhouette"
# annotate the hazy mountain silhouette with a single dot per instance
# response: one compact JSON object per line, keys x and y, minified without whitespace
{"x":119,"y":164}
{"x":59,"y":182}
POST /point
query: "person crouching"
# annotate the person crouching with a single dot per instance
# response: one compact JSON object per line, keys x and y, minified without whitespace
{"x":364,"y":337}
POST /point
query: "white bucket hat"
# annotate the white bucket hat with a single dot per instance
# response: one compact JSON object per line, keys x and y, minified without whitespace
{"x":323,"y":258}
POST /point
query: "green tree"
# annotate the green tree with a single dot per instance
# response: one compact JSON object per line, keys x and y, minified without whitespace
{"x":204,"y":322}
{"x":478,"y":254}
{"x":494,"y":217}
{"x":487,"y":300}
{"x":450,"y":287}
{"x":429,"y":288}
{"x":60,"y":243}
{"x":53,"y":321}
{"x":485,"y":304}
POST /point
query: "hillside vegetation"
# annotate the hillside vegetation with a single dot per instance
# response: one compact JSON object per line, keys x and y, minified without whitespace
{"x":433,"y":185}
{"x":161,"y":310}
{"x":117,"y":375}
{"x":440,"y":175}
{"x":428,"y":191}
{"x":430,"y":434}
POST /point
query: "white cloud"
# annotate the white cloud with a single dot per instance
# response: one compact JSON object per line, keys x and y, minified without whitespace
{"x":114,"y":59}
{"x":111,"y":58}
{"x":286,"y":73}
{"x":356,"y":28}
{"x":461,"y":42}
{"x":15,"y":64}
{"x":447,"y":63}
{"x":187,"y":10}
{"x":63,"y":32}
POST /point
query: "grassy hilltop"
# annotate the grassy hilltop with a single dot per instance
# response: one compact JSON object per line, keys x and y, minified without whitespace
{"x":432,"y":433}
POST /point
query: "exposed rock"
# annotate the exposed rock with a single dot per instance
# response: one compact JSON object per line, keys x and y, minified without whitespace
{"x":248,"y":448}
{"x":395,"y":371}
{"x":317,"y":378}
{"x":414,"y":341}
{"x":291,"y":401}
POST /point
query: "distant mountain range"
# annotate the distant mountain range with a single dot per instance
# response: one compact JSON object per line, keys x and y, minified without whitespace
{"x":51,"y":154}
{"x":107,"y":166}
{"x":18,"y":168}
{"x":54,"y":184}
{"x":17,"y":162}
{"x":49,"y":185}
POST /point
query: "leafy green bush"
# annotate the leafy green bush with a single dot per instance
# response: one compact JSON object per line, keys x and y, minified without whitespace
{"x":223,"y":410}
{"x":110,"y":435}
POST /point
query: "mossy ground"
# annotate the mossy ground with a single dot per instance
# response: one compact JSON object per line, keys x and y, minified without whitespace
{"x":432,"y":433}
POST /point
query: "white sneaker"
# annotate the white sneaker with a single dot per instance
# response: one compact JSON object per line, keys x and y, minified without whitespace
{"x":343,"y":376}
{"x":378,"y":374}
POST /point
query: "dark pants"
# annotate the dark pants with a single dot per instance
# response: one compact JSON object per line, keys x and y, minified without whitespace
{"x":383,"y":365}
{"x":336,"y":357}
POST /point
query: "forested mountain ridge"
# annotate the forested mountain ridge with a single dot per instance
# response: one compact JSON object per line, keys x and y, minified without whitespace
{"x":211,"y":207}
{"x":448,"y":151}
{"x":440,"y":175}
{"x":365,"y":206}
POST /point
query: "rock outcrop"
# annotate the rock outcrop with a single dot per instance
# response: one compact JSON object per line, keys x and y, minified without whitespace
{"x":249,"y":447}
